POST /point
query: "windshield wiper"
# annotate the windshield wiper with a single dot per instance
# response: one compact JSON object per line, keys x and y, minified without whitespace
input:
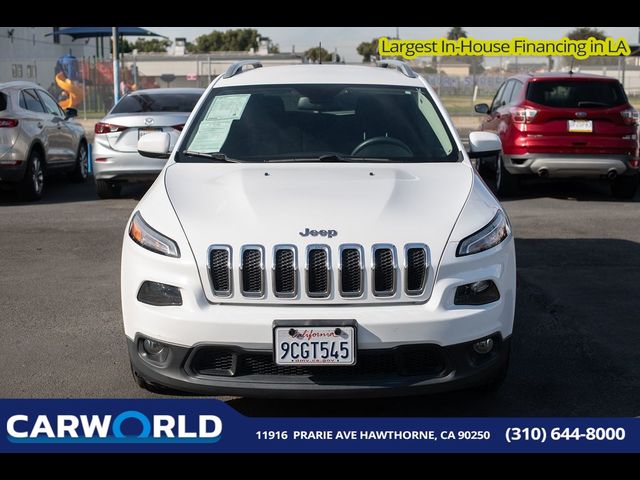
{"x":217,"y":156}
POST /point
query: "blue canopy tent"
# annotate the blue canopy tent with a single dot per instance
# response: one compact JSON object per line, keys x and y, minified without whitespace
{"x":95,"y":32}
{"x":114,"y":32}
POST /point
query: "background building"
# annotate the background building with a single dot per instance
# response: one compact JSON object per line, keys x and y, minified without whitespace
{"x":27,"y":54}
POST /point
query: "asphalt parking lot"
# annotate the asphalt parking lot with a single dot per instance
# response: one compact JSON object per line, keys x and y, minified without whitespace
{"x":576,"y":336}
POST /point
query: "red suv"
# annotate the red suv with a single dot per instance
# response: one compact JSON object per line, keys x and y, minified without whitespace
{"x":563,"y":125}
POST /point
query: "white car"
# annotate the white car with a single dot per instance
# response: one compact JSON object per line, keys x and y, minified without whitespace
{"x":115,"y":157}
{"x":318,"y":231}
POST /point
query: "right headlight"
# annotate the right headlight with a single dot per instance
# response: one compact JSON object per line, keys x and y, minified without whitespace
{"x":149,"y":238}
{"x":487,"y":237}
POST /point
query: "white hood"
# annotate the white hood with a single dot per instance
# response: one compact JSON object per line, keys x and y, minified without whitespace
{"x":269,"y":204}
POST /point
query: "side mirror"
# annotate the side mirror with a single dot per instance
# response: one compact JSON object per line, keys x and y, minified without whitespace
{"x":155,"y":145}
{"x":70,"y":113}
{"x":483,"y":144}
{"x":481,"y":108}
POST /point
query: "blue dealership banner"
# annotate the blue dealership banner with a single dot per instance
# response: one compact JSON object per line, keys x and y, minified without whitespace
{"x":208,"y":425}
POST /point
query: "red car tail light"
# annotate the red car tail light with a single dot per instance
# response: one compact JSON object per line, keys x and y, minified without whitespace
{"x":522,"y":115}
{"x":108,"y":128}
{"x":634,"y":163}
{"x":178,"y":127}
{"x":630,"y":116}
{"x":8,"y":122}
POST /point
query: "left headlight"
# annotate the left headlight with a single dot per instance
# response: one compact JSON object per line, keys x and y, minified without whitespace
{"x":145,"y":236}
{"x":487,"y":237}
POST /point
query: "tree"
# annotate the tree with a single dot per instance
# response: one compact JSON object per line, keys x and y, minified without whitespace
{"x":455,"y":33}
{"x":274,"y":48}
{"x":236,"y":40}
{"x":368,"y":50}
{"x":583,"y":33}
{"x":317,"y":54}
{"x":124,"y":46}
{"x":159,"y":45}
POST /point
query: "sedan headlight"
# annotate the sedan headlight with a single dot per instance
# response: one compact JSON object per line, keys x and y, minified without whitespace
{"x":145,"y":236}
{"x":488,"y":237}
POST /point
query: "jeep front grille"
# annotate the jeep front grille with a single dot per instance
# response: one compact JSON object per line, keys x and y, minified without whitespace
{"x":296,"y":275}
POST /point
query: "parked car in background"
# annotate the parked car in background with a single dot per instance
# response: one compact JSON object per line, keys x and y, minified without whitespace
{"x":37,"y":138}
{"x":562,"y":125}
{"x":115,"y":156}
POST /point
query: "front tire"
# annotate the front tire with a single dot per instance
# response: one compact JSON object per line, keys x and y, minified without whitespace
{"x":80,"y":171}
{"x":106,"y":189}
{"x":31,"y":186}
{"x":625,"y":187}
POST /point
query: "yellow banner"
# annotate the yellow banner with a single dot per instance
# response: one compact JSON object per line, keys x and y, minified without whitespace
{"x":579,"y":49}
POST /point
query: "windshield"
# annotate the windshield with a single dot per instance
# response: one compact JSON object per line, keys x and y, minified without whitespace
{"x":576,"y":94}
{"x":307,"y":122}
{"x":157,"y":102}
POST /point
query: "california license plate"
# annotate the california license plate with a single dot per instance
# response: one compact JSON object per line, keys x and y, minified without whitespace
{"x":581,"y":126}
{"x":314,"y":345}
{"x":143,"y":131}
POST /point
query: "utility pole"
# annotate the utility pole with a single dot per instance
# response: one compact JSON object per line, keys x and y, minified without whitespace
{"x":116,"y":66}
{"x":319,"y":52}
{"x":398,"y":33}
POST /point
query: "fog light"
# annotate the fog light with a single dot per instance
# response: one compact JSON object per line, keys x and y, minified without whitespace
{"x":159,"y":294}
{"x":483,"y":346}
{"x":152,"y":347}
{"x":477,"y":293}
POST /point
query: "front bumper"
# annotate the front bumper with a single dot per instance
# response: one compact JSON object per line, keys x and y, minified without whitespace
{"x":403,"y":370}
{"x":567,"y":165}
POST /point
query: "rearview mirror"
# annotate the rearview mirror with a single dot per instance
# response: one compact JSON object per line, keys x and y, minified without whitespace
{"x":481,"y":108}
{"x":155,"y":145}
{"x":484,"y":144}
{"x":70,"y":113}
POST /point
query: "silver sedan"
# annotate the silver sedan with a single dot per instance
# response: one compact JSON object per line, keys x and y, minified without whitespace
{"x":115,"y":153}
{"x":37,"y":137}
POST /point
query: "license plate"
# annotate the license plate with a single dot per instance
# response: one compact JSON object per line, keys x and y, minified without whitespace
{"x":581,"y":126}
{"x":314,"y":345}
{"x":143,"y":131}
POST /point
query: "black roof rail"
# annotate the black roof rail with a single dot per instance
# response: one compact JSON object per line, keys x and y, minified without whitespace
{"x":403,"y":67}
{"x":237,"y":67}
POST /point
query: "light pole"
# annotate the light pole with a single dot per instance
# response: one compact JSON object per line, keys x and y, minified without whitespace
{"x":116,"y":66}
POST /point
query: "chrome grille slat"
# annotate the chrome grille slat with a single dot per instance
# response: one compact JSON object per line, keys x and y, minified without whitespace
{"x":318,"y":271}
{"x":416,"y":265}
{"x":384,"y":270}
{"x":351,"y":270}
{"x":252,"y":271}
{"x":285,"y":271}
{"x":220,"y":269}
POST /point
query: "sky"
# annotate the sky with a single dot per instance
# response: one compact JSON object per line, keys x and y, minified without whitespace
{"x":346,"y":39}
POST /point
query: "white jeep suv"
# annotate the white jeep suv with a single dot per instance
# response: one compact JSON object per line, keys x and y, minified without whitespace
{"x":318,"y":231}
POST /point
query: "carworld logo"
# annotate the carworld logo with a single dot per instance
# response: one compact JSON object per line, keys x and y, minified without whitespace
{"x":130,"y":426}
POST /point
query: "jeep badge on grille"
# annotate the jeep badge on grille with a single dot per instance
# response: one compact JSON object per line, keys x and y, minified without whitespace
{"x":318,"y":233}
